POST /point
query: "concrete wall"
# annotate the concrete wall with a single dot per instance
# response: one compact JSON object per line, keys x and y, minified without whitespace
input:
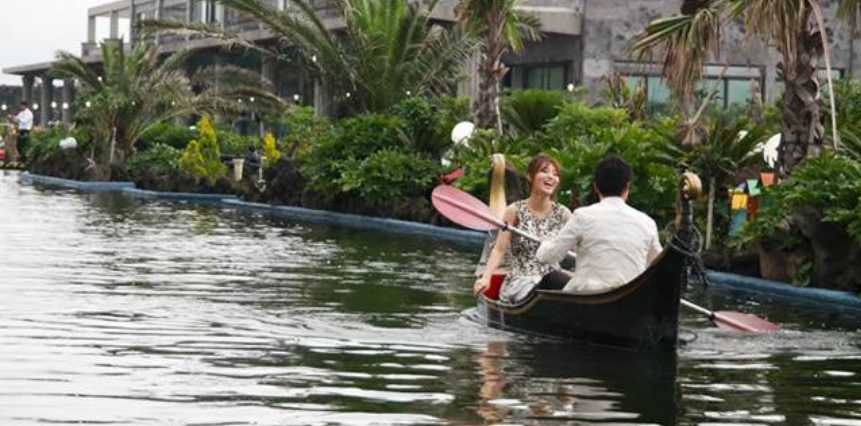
{"x":609,"y":26}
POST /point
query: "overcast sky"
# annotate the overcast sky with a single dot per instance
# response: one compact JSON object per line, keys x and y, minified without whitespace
{"x":31,"y":31}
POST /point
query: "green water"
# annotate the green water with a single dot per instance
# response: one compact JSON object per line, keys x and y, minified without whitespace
{"x":116,"y":311}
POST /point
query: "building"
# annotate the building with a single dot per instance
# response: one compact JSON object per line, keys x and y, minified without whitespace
{"x":584,"y":41}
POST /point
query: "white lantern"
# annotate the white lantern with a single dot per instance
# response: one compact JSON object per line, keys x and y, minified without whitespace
{"x":462,"y":132}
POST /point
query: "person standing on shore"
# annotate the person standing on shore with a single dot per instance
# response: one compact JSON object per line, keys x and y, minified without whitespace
{"x":24,"y":122}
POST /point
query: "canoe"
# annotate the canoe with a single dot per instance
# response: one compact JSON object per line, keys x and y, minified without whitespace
{"x":641,"y":315}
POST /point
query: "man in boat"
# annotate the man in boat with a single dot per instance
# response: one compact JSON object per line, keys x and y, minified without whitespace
{"x":613,"y":241}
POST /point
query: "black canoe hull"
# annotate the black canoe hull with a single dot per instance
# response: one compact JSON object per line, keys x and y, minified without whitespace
{"x":641,"y":315}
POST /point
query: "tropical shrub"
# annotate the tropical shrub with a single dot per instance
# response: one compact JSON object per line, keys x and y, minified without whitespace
{"x":159,"y":162}
{"x":830,"y":184}
{"x":167,"y":133}
{"x":527,"y":111}
{"x":298,"y":128}
{"x":271,"y":155}
{"x":233,"y":144}
{"x":368,"y":158}
{"x":202,"y":157}
{"x":389,"y":174}
{"x":46,"y":157}
{"x":428,"y":122}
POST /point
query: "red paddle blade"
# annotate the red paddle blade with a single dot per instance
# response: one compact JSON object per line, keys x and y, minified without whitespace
{"x":737,"y":321}
{"x":463,"y":209}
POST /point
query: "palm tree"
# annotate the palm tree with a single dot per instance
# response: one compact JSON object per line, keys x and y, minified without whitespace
{"x":727,"y":146}
{"x":794,"y":27}
{"x":501,"y":28}
{"x":132,"y":92}
{"x":388,"y":49}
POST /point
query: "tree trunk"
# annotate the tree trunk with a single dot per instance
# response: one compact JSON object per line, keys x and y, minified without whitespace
{"x":803,"y":133}
{"x":710,"y":213}
{"x":491,"y":70}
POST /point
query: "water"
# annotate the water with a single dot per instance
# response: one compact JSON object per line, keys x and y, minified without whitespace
{"x":115,"y":311}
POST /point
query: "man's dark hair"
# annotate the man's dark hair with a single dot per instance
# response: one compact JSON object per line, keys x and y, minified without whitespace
{"x":612,"y":176}
{"x":23,"y":103}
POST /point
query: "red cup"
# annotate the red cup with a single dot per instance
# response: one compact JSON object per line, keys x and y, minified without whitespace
{"x":492,"y":292}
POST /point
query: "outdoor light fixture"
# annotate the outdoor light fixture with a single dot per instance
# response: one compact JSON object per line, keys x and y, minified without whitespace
{"x":36,"y":106}
{"x":53,"y":104}
{"x":65,"y":105}
{"x":99,"y":78}
{"x":88,"y":104}
{"x":296,"y":98}
{"x":251,"y":99}
{"x":570,"y":87}
{"x":314,"y":58}
{"x":409,"y":93}
{"x":240,"y":100}
{"x":348,"y":94}
{"x":3,"y":107}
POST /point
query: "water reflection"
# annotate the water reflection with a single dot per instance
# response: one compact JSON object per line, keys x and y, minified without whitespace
{"x":560,"y":382}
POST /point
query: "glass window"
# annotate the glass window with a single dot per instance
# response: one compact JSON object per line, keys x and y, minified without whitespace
{"x":658,"y":91}
{"x":633,"y":82}
{"x":550,"y":77}
{"x":739,"y":92}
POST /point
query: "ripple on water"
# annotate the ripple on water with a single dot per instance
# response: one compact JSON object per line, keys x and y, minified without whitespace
{"x":117,"y":311}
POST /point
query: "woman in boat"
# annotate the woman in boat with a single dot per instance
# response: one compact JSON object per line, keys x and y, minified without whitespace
{"x":538,"y":215}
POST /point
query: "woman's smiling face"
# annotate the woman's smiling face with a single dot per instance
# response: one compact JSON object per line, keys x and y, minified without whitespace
{"x":546,"y":180}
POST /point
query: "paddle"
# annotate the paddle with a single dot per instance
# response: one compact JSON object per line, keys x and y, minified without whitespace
{"x":470,"y":212}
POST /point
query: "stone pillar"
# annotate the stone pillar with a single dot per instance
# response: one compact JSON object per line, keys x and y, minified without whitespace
{"x":133,"y":21}
{"x":27,"y":88}
{"x":91,"y":29}
{"x":322,"y":99}
{"x":115,"y":24}
{"x":68,"y":97}
{"x":47,"y":97}
{"x":159,"y":13}
{"x":189,"y":11}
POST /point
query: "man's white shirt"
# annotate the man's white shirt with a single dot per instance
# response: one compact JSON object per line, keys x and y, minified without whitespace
{"x":613,"y":242}
{"x":25,"y":119}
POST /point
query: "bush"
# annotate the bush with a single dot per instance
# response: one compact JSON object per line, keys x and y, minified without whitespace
{"x":271,"y":155}
{"x":46,"y":157}
{"x":527,"y":111}
{"x":428,"y":124}
{"x":202,"y":157}
{"x":830,"y":184}
{"x":298,"y":128}
{"x":155,"y":167}
{"x":171,"y":134}
{"x":388,"y":175}
{"x":233,"y":144}
{"x":354,"y":139}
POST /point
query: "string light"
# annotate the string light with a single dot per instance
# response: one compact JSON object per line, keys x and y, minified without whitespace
{"x":88,"y":104}
{"x":348,"y":95}
{"x":3,"y":107}
{"x":251,"y":99}
{"x":53,"y":104}
{"x":65,"y":105}
{"x":36,"y":106}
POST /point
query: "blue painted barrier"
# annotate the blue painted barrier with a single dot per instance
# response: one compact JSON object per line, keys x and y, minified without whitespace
{"x":360,"y":222}
{"x":177,"y":196}
{"x":472,"y":238}
{"x":31,"y":179}
{"x":780,"y":289}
